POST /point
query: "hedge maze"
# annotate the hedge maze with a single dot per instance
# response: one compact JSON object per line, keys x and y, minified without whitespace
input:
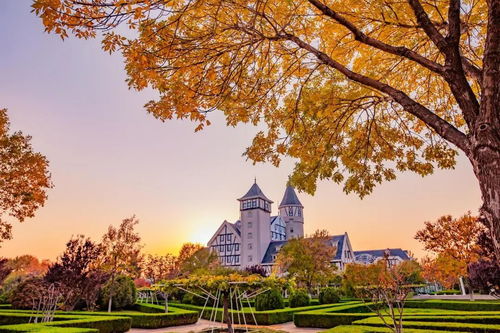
{"x":142,"y":316}
{"x":419,"y":317}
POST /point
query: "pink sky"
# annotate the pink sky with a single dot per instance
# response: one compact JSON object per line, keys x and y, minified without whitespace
{"x":110,"y":159}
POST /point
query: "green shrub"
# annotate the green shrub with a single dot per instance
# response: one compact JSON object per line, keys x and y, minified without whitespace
{"x":194,"y":300}
{"x":299,"y":298}
{"x":270,"y":300}
{"x":123,"y":295}
{"x":329,"y":295}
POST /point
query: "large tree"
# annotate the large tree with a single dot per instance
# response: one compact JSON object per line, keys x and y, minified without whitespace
{"x":354,"y":90}
{"x":74,"y":269}
{"x":157,"y":268}
{"x":121,"y":253}
{"x":24,"y":177}
{"x":308,"y":260}
{"x":453,"y":237}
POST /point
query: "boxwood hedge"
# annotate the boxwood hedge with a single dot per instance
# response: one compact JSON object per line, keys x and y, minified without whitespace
{"x":426,"y":325}
{"x":372,"y":329}
{"x":454,"y":305}
{"x":268,"y":317}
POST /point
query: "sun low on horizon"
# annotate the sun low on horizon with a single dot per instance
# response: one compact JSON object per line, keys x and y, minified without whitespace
{"x":110,"y":159}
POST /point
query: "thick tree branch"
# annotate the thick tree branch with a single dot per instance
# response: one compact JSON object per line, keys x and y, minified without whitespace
{"x":453,"y":36}
{"x":450,"y":48}
{"x":439,"y":125}
{"x":365,"y":39}
{"x":427,"y":25}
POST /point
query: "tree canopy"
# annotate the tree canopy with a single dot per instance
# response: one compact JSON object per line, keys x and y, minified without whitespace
{"x":24,"y":177}
{"x":308,"y":260}
{"x":354,"y":90}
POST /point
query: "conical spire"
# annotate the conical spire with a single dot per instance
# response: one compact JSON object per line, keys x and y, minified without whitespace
{"x":290,"y":198}
{"x":254,"y":192}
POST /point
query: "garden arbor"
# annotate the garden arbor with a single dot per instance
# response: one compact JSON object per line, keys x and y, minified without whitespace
{"x":231,"y":292}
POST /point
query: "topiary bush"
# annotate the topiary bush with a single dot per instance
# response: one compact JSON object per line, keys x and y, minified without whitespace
{"x":270,"y":300}
{"x":123,"y":295}
{"x":299,"y":298}
{"x":329,"y":295}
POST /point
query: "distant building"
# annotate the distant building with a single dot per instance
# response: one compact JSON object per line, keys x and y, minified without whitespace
{"x":394,"y":256}
{"x":257,"y":237}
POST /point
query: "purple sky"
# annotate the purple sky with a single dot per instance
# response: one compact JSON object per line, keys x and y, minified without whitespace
{"x":109,"y":159}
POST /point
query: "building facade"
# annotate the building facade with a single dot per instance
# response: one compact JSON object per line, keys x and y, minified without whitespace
{"x":257,"y":237}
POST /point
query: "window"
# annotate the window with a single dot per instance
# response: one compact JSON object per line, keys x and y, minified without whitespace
{"x":237,"y":246}
{"x":237,"y":259}
{"x":291,"y":230}
{"x":250,"y":258}
{"x":228,"y":247}
{"x":250,"y":224}
{"x":250,"y":235}
{"x":228,"y":237}
{"x":299,"y":212}
{"x":249,"y":213}
{"x":221,"y":238}
{"x":254,"y":203}
{"x":290,"y":211}
{"x":250,"y":246}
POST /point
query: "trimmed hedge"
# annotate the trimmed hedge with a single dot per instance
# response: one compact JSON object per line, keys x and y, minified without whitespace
{"x":447,"y":292}
{"x":269,"y":317}
{"x":323,"y":320}
{"x":446,"y":326}
{"x":350,"y":313}
{"x":454,"y":305}
{"x":102,"y":324}
{"x":371,"y":329}
{"x":155,"y":317}
{"x":44,"y":329}
{"x":490,"y":319}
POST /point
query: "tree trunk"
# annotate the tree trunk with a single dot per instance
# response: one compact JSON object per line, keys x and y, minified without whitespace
{"x":484,"y":152}
{"x":485,"y":160}
{"x":227,"y":318}
{"x":110,"y":302}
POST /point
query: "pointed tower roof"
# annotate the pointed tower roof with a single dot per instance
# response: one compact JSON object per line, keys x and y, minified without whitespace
{"x":255,"y":192}
{"x":290,"y":198}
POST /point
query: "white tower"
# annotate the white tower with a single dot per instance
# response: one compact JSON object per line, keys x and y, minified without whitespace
{"x":255,"y":217}
{"x":291,"y":210}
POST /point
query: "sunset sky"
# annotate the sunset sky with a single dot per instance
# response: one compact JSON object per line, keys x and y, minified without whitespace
{"x":109,"y":159}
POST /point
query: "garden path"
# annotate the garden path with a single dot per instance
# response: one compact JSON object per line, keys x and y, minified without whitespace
{"x":203,"y":324}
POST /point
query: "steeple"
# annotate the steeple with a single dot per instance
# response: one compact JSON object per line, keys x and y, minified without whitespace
{"x":290,"y":198}
{"x":255,"y":192}
{"x":291,"y":210}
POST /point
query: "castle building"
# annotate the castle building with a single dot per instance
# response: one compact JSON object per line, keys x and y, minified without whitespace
{"x":257,"y":237}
